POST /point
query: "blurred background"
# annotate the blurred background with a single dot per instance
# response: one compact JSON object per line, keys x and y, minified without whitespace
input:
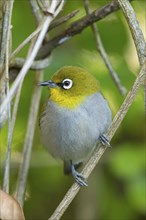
{"x":116,"y":188}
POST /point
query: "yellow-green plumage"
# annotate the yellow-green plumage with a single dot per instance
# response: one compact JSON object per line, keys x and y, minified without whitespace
{"x":75,"y":117}
{"x":73,"y":97}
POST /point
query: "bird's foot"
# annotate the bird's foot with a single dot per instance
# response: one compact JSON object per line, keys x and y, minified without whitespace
{"x":79,"y":178}
{"x":104,"y":140}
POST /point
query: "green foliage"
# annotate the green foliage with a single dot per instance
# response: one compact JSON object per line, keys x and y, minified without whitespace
{"x":120,"y":189}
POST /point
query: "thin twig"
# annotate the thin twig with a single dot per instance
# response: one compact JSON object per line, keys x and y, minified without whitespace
{"x":135,"y":28}
{"x":77,"y":27}
{"x":70,"y":195}
{"x":7,"y":23}
{"x":53,"y":13}
{"x":145,"y":96}
{"x":36,"y":65}
{"x":14,"y":115}
{"x":4,"y":29}
{"x":100,"y":48}
{"x":43,"y":5}
{"x":38,"y":14}
{"x":10,"y":136}
{"x":23,"y":172}
{"x":63,"y":19}
{"x":27,"y":148}
{"x":29,"y":140}
{"x":4,"y":37}
{"x":27,"y":40}
{"x":36,"y":11}
{"x":32,"y":35}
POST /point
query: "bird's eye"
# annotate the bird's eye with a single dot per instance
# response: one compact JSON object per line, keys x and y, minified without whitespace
{"x":67,"y":83}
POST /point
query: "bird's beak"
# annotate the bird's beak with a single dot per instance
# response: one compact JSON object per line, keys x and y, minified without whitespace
{"x":49,"y":83}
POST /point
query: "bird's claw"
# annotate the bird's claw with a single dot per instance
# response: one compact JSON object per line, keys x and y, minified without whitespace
{"x":104,"y":140}
{"x":79,"y":178}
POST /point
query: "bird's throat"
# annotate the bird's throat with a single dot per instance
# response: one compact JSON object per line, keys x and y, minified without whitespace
{"x":64,"y":100}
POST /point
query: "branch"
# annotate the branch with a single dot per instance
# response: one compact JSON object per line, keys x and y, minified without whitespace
{"x":63,"y":19}
{"x":136,"y":31}
{"x":5,"y":7}
{"x":77,"y":27}
{"x":103,"y":54}
{"x":33,"y":34}
{"x":8,"y":6}
{"x":36,"y":65}
{"x":5,"y":48}
{"x":27,"y":149}
{"x":36,"y":11}
{"x":38,"y":15}
{"x":137,"y":35}
{"x":72,"y":192}
{"x":31,"y":125}
{"x":53,"y":13}
{"x":27,"y":40}
{"x":145,"y":98}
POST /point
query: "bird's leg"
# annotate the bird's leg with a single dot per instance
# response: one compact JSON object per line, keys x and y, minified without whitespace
{"x":104,"y":140}
{"x":79,"y":178}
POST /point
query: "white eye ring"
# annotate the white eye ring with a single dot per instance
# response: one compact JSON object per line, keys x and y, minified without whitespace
{"x":67,"y":83}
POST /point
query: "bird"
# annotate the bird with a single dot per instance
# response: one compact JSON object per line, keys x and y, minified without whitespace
{"x":74,"y":118}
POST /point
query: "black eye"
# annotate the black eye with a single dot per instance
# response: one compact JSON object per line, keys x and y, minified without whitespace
{"x":67,"y":83}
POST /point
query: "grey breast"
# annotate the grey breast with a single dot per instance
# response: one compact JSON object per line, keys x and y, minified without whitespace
{"x":71,"y":134}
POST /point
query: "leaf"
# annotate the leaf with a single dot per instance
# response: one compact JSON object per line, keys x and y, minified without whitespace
{"x":10,"y":208}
